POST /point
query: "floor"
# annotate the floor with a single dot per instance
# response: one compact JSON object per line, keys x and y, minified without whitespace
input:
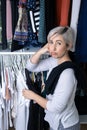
{"x":83,"y":127}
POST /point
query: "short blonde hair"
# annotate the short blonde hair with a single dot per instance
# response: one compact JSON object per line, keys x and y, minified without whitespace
{"x":66,"y":32}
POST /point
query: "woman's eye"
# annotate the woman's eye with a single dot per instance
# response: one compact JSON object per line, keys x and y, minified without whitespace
{"x":58,"y":43}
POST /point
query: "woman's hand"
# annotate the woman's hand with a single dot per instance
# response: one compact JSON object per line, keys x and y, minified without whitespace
{"x":28,"y":94}
{"x":33,"y":96}
{"x":44,"y":49}
{"x":35,"y":58}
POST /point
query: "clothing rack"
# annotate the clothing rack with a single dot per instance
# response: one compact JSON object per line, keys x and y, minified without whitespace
{"x":17,"y":63}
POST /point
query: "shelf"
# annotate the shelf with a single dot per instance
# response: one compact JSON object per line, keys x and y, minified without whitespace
{"x":83,"y":119}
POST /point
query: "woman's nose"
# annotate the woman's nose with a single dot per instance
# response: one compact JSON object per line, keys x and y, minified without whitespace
{"x":54,"y":47}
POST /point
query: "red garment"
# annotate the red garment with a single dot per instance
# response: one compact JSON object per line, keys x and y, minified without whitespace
{"x":62,"y":12}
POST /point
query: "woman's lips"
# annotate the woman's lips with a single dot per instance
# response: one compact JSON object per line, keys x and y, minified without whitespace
{"x":53,"y":53}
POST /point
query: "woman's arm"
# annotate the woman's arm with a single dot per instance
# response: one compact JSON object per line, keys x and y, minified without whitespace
{"x":35,"y":58}
{"x":33,"y":96}
{"x":64,"y":92}
{"x":35,"y":64}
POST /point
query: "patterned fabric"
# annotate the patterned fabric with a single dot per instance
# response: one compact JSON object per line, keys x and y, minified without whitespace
{"x":36,"y":14}
{"x":35,"y":17}
{"x":22,"y":1}
{"x":14,"y":6}
{"x":32,"y":37}
{"x":31,"y":4}
{"x":21,"y":31}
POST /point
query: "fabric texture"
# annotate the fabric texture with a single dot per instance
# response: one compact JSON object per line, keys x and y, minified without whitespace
{"x":62,"y":12}
{"x":21,"y":31}
{"x":42,"y":25}
{"x":3,"y":20}
{"x":8,"y":20}
{"x":81,"y":42}
{"x":55,"y":73}
{"x":75,"y":127}
{"x":74,"y":19}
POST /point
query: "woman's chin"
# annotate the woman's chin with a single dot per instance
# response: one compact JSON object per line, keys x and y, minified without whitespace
{"x":54,"y":56}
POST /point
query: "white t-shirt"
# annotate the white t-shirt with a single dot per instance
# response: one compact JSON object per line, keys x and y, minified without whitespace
{"x":61,"y":104}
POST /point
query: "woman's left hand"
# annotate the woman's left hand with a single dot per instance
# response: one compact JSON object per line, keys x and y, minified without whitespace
{"x":28,"y":94}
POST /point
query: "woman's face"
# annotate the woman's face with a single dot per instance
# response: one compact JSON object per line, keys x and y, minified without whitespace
{"x":57,"y":46}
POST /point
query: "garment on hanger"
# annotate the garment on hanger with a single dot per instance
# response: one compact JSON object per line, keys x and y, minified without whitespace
{"x":62,"y":12}
{"x":22,"y":104}
{"x":3,"y":20}
{"x":15,"y":44}
{"x":81,"y":42}
{"x":49,"y":14}
{"x":21,"y":31}
{"x":74,"y":19}
{"x":36,"y":113}
{"x":33,"y":123}
{"x":65,"y":9}
{"x":42,"y":25}
{"x":8,"y":20}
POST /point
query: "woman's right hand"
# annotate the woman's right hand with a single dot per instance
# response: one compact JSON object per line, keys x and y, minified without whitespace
{"x":35,"y":58}
{"x":44,"y":49}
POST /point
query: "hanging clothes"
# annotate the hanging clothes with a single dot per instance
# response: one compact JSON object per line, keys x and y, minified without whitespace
{"x":74,"y":18}
{"x":33,"y":13}
{"x":33,"y":121}
{"x":42,"y":25}
{"x":36,"y":113}
{"x":81,"y":42}
{"x":8,"y":20}
{"x":49,"y":14}
{"x":21,"y":31}
{"x":0,"y":26}
{"x":15,"y":44}
{"x":3,"y":21}
{"x":22,"y":105}
{"x":1,"y":109}
{"x":62,"y":12}
{"x":65,"y":8}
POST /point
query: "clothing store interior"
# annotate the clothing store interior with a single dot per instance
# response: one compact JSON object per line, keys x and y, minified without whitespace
{"x":24,"y":26}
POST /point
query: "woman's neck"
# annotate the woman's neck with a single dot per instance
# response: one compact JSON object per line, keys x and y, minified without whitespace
{"x":63,"y":59}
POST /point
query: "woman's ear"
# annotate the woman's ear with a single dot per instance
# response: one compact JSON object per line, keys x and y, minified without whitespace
{"x":69,"y":46}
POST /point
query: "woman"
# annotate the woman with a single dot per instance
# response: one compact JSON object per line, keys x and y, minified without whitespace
{"x":60,"y":109}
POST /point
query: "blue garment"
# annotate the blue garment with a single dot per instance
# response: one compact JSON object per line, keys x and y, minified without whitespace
{"x":32,"y":37}
{"x":31,"y":4}
{"x":42,"y":26}
{"x":81,"y":42}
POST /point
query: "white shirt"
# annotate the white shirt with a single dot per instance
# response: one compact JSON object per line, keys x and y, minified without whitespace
{"x":74,"y":19}
{"x":61,"y":104}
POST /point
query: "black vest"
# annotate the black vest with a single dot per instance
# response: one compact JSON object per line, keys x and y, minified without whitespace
{"x":55,"y":74}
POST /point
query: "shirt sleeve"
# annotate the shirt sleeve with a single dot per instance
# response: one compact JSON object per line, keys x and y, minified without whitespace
{"x":63,"y":92}
{"x":42,"y":65}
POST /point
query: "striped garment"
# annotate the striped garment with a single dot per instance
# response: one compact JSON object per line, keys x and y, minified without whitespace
{"x":35,"y":17}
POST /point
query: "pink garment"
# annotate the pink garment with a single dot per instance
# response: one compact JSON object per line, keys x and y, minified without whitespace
{"x":8,"y":20}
